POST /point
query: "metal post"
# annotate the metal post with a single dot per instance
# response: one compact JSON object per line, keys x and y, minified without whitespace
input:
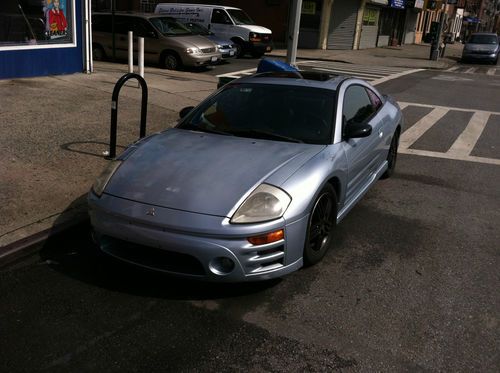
{"x":114,"y":110}
{"x":140,"y":57}
{"x":130,"y":52}
{"x":293,"y":32}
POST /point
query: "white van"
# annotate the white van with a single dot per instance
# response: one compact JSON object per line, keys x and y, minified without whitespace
{"x":225,"y":22}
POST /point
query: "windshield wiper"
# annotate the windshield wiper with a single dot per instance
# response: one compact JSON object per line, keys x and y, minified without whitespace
{"x":267,"y":135}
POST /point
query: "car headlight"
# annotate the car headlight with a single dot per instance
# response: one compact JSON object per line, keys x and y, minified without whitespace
{"x":265,"y":203}
{"x":103,"y":179}
{"x":193,"y":50}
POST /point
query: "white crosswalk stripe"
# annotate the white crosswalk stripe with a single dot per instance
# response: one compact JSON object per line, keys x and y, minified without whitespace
{"x":483,"y":69}
{"x":463,"y":145}
{"x":373,"y":74}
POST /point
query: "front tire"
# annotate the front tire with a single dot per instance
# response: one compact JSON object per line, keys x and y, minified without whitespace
{"x":322,"y":221}
{"x":392,"y":156}
{"x":171,"y":61}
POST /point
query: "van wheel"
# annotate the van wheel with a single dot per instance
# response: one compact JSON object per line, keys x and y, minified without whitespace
{"x":239,"y":49}
{"x":98,"y":53}
{"x":171,"y":61}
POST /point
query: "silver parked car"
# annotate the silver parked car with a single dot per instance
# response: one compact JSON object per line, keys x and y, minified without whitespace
{"x":251,"y":183}
{"x":481,"y":47}
{"x":166,"y":41}
{"x":226,"y":47}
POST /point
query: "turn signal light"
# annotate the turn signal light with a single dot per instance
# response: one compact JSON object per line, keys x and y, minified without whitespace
{"x":267,"y":238}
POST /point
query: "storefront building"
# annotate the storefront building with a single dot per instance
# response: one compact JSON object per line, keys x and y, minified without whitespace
{"x":43,"y":37}
{"x":431,"y":12}
{"x":370,"y":23}
{"x":413,"y":9}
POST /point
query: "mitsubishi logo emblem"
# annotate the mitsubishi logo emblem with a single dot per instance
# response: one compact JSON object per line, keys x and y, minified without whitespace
{"x":151,"y":212}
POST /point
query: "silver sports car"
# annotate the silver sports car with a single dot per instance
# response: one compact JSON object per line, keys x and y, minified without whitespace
{"x":251,"y":183}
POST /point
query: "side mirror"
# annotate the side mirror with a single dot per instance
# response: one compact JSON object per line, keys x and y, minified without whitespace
{"x":354,"y":131}
{"x":185,"y":111}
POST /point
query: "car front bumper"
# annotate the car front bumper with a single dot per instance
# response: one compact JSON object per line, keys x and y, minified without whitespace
{"x":202,"y":59}
{"x":479,"y":56}
{"x":193,"y":245}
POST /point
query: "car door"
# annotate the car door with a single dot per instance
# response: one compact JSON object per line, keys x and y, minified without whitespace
{"x":362,"y":153}
{"x":220,"y":24}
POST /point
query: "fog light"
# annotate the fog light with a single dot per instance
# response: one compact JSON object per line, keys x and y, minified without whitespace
{"x":267,"y":238}
{"x":221,"y":266}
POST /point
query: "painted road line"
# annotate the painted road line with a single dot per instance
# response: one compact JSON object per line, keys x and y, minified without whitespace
{"x":413,"y":133}
{"x":402,"y":105}
{"x":237,"y":74}
{"x":454,"y":68}
{"x":491,"y":71}
{"x":455,"y":157}
{"x":395,"y":76}
{"x":356,"y":74}
{"x":469,"y":137}
{"x":470,"y":71}
{"x":353,"y":67}
{"x":448,"y":108}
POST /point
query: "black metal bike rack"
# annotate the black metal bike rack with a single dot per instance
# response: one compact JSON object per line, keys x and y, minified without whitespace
{"x":114,"y":110}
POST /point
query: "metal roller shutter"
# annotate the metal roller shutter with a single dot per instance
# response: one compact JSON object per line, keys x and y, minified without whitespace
{"x":343,"y":25}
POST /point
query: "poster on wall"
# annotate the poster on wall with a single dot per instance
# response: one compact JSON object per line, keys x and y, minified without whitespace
{"x":29,"y":24}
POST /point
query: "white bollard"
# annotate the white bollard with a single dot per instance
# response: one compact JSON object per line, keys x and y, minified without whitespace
{"x":140,"y":58}
{"x":130,"y":52}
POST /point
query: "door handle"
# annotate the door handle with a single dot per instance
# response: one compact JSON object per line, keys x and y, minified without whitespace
{"x":380,"y":133}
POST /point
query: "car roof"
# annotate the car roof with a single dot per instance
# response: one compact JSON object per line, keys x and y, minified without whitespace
{"x":134,"y":14}
{"x":314,"y":79}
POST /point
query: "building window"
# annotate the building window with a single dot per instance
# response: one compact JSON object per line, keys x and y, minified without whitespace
{"x":370,"y":17}
{"x":28,"y":24}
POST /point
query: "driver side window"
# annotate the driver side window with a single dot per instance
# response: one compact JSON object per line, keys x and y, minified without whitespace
{"x":357,"y":106}
{"x":220,"y":16}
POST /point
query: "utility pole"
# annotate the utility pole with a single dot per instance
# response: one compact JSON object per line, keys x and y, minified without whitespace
{"x":293,"y":32}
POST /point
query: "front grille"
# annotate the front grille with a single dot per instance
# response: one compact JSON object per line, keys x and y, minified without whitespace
{"x":151,"y":257}
{"x":266,"y":37}
{"x":208,"y":50}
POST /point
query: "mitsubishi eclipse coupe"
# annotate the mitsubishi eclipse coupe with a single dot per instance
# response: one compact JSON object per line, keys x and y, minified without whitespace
{"x":250,"y":183}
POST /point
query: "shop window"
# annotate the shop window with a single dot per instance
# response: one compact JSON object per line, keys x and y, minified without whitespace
{"x":32,"y":24}
{"x":310,"y":15}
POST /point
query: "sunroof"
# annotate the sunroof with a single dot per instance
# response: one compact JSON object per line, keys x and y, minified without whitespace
{"x":300,"y":74}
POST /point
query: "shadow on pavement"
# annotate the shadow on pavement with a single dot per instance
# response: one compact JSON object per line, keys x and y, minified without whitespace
{"x":73,"y":254}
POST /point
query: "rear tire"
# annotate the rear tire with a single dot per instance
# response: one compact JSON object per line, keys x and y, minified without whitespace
{"x":171,"y":61}
{"x":320,"y":229}
{"x":392,"y":156}
{"x":98,"y":53}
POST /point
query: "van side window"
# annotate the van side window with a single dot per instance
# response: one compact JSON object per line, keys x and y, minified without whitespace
{"x":123,"y":25}
{"x":143,"y":28}
{"x":220,"y":16}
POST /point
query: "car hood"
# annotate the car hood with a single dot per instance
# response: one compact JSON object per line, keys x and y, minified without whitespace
{"x":193,"y":41}
{"x":204,"y":173}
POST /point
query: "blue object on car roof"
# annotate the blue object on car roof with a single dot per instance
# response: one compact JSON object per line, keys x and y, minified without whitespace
{"x":266,"y":65}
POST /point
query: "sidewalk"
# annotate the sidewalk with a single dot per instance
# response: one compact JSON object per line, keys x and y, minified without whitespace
{"x":415,"y":56}
{"x":55,"y":129}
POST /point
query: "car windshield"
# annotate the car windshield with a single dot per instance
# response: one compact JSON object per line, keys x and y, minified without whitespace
{"x":240,"y":17}
{"x":263,"y":111}
{"x":197,"y":29}
{"x":169,"y":26}
{"x":483,"y":39}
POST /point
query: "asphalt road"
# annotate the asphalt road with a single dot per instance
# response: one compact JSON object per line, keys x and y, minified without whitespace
{"x":410,"y":285}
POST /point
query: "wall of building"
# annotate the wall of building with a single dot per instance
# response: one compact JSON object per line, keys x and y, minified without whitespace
{"x":41,"y":51}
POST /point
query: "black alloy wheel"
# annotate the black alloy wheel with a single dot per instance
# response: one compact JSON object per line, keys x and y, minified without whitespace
{"x":392,"y":156}
{"x":239,"y":49}
{"x":322,"y":223}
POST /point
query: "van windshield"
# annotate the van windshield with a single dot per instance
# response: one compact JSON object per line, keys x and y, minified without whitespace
{"x":240,"y":17}
{"x":169,"y":26}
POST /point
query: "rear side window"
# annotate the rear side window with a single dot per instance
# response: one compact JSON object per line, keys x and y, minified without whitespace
{"x":377,"y":103}
{"x":220,"y":16}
